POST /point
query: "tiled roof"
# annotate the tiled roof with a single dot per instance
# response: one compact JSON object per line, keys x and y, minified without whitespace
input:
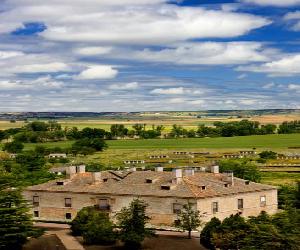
{"x":134,"y":183}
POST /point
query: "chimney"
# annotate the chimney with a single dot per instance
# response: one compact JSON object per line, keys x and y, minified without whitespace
{"x":71,"y":172}
{"x":159,"y":169}
{"x":81,"y":169}
{"x":228,"y":177}
{"x":96,"y":177}
{"x":189,"y":172}
{"x":133,"y":169}
{"x":214,"y":169}
{"x":178,"y":176}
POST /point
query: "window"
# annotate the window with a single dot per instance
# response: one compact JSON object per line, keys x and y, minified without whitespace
{"x":240,"y":203}
{"x":104,"y":204}
{"x":36,"y":201}
{"x":263,"y":201}
{"x":36,"y":214}
{"x":215,"y":207}
{"x":68,"y":202}
{"x":177,"y":208}
{"x":68,"y":216}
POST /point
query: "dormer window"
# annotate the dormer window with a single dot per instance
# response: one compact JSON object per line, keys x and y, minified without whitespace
{"x":247,"y":182}
{"x":165,"y":187}
{"x":149,"y":180}
{"x":59,"y":183}
{"x":203,"y":187}
{"x":226,"y":185}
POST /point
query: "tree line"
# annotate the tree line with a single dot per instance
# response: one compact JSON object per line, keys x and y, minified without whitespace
{"x":38,"y":131}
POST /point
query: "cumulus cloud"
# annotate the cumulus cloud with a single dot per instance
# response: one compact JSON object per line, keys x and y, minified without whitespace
{"x":98,"y":72}
{"x":295,"y":87}
{"x":41,"y":83}
{"x":294,"y":19}
{"x":208,"y":53}
{"x":92,"y":51}
{"x":126,"y":86}
{"x":169,"y":91}
{"x":287,"y":66}
{"x":89,"y":21}
{"x":279,"y":3}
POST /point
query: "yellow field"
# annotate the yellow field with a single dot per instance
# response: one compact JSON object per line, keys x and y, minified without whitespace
{"x":187,"y":121}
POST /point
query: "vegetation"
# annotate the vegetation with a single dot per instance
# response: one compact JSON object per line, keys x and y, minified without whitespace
{"x":264,"y":232}
{"x":95,"y":227}
{"x":244,"y":169}
{"x":132,"y":224}
{"x":188,"y":219}
{"x":16,"y":223}
{"x":289,"y":127}
{"x":268,"y":155}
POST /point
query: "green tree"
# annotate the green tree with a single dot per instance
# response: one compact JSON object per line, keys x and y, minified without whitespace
{"x":99,"y":229}
{"x":207,"y":232}
{"x":13,"y":147}
{"x":268,"y":155}
{"x":244,"y":169}
{"x":189,"y":219}
{"x":132,"y":223}
{"x":16,"y":224}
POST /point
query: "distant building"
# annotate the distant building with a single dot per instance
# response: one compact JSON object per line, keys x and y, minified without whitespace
{"x":214,"y":194}
{"x":57,"y":156}
{"x":158,"y":156}
{"x":248,"y":152}
{"x":131,"y":162}
{"x":233,"y":156}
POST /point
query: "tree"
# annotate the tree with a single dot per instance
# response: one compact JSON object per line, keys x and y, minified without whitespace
{"x":99,"y":229}
{"x":132,"y":223}
{"x":242,"y":169}
{"x":95,"y":226}
{"x":16,"y":223}
{"x":13,"y":147}
{"x":87,"y":146}
{"x":207,"y":232}
{"x":267,"y":155}
{"x":189,"y":219}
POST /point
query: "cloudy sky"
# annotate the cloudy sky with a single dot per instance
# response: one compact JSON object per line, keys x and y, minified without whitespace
{"x":138,"y":55}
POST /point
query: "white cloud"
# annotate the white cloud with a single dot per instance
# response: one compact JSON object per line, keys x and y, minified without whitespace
{"x":295,"y":87}
{"x":91,"y":51}
{"x":176,"y":100}
{"x":8,"y":54}
{"x":293,"y":17}
{"x":287,"y":66}
{"x":208,"y":53}
{"x":41,"y":83}
{"x":94,"y":21}
{"x":279,"y":3}
{"x":269,"y":85}
{"x":248,"y":101}
{"x":40,"y":68}
{"x":98,"y":72}
{"x":126,"y":86}
{"x":242,"y":76}
{"x":197,"y":102}
{"x":169,"y":91}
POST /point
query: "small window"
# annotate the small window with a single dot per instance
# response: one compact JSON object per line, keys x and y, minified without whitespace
{"x":36,"y":201}
{"x":148,"y":181}
{"x":263,"y":201}
{"x":177,"y":208}
{"x":240,"y":203}
{"x":68,"y":202}
{"x":68,"y":216}
{"x":104,"y":204}
{"x":105,"y":180}
{"x":59,"y":183}
{"x":203,"y":187}
{"x":215,"y":207}
{"x":165,"y":187}
{"x":36,"y":214}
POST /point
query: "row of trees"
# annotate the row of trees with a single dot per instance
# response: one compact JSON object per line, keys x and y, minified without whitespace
{"x":264,"y":232}
{"x":52,"y":131}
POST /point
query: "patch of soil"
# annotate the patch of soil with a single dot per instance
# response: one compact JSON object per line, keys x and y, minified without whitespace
{"x":159,"y":243}
{"x":45,"y":242}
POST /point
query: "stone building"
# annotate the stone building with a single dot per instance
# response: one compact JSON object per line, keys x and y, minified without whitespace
{"x":213,"y":194}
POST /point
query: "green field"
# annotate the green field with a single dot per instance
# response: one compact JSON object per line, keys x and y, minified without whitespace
{"x":248,"y":142}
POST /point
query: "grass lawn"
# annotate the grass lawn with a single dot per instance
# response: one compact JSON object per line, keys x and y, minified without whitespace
{"x":239,"y":142}
{"x":260,"y":141}
{"x":280,"y":178}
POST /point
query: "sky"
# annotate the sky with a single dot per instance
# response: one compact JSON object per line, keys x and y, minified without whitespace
{"x":149,"y":55}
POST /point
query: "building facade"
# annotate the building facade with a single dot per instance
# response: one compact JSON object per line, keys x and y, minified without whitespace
{"x":213,"y":194}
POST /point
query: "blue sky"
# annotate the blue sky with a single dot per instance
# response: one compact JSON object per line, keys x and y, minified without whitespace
{"x":129,"y":55}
